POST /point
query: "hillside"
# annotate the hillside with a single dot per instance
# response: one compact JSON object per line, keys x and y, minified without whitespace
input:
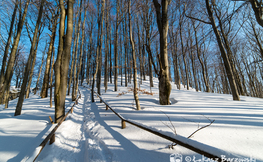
{"x":93,"y":134}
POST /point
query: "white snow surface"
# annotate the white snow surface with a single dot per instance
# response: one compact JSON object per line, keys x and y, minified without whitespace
{"x":92,"y":134}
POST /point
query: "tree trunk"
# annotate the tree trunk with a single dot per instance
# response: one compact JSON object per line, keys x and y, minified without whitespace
{"x":126,"y":50}
{"x":51,"y":76}
{"x":30,"y":61}
{"x":107,"y":22}
{"x":7,"y":46}
{"x":163,"y":25}
{"x":90,"y":51}
{"x":63,"y":58}
{"x":184,"y":55}
{"x":9,"y":69}
{"x":44,"y":89}
{"x":116,"y":49}
{"x":228,"y":68}
{"x":148,"y":43}
{"x":72,"y":57}
{"x":110,"y":58}
{"x":100,"y":46}
{"x":135,"y":90}
{"x":200,"y":60}
{"x":40,"y":70}
{"x":99,"y":42}
{"x":73,"y":94}
{"x":81,"y":48}
{"x":193,"y":62}
{"x":231,"y":58}
{"x":32,"y":67}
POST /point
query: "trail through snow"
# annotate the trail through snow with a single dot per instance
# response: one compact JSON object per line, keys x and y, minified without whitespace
{"x":74,"y":139}
{"x":92,"y":134}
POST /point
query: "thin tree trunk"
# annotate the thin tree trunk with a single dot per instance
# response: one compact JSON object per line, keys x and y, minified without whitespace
{"x":7,"y":46}
{"x":30,"y":61}
{"x":73,"y":94}
{"x":72,"y":57}
{"x":116,"y":49}
{"x":148,"y":43}
{"x":231,"y":58}
{"x":110,"y":58}
{"x":106,"y":47}
{"x":44,"y":89}
{"x":51,"y":76}
{"x":99,"y":41}
{"x":32,"y":67}
{"x":100,"y":46}
{"x":89,"y":55}
{"x":81,"y":48}
{"x":126,"y":50}
{"x":9,"y":69}
{"x":228,"y":68}
{"x":184,"y":55}
{"x":135,"y":90}
{"x":40,"y":70}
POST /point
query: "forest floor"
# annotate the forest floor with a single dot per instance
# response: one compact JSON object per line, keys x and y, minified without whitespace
{"x":91,"y":133}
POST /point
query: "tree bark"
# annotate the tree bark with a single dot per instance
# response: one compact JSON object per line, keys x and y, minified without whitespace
{"x":32,"y":66}
{"x":73,"y":94}
{"x":30,"y":61}
{"x":116,"y":49}
{"x":99,"y":42}
{"x":40,"y":70}
{"x":9,"y":69}
{"x":228,"y":68}
{"x":106,"y":47}
{"x":51,"y":77}
{"x":192,"y":56}
{"x":7,"y":46}
{"x":44,"y":89}
{"x":163,"y":25}
{"x":100,"y":46}
{"x":81,"y":48}
{"x":63,"y":58}
{"x":184,"y":55}
{"x":257,"y":8}
{"x":200,"y":60}
{"x":135,"y":90}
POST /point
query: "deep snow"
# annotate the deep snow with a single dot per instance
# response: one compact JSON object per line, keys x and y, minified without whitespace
{"x":93,"y":134}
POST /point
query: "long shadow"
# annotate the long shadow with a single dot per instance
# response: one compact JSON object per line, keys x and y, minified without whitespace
{"x":136,"y":154}
{"x":255,"y":119}
{"x":32,"y":143}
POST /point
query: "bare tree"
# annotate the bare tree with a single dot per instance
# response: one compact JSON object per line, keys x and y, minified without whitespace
{"x":135,"y":90}
{"x":30,"y":61}
{"x":162,"y":23}
{"x":63,"y":58}
{"x":9,"y":69}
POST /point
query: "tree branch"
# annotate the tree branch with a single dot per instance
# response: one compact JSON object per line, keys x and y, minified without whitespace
{"x":197,"y":19}
{"x":148,"y":49}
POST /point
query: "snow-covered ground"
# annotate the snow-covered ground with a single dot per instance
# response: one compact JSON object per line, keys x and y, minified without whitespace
{"x":93,"y":134}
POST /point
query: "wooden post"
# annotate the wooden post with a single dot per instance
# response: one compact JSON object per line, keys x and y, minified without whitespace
{"x":107,"y":108}
{"x":123,"y":124}
{"x":52,"y":139}
{"x":71,"y":110}
{"x":51,"y":121}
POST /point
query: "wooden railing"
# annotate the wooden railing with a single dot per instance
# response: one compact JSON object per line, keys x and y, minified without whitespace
{"x":51,"y":136}
{"x":203,"y":149}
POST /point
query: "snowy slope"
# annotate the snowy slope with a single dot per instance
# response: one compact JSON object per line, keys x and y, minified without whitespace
{"x":93,"y":134}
